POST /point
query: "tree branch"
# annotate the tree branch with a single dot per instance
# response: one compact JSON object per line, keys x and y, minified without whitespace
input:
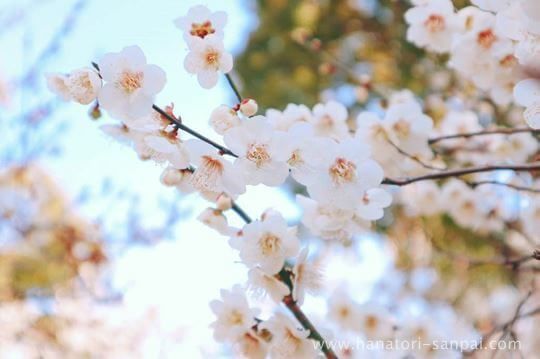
{"x":497,"y":131}
{"x":510,"y":185}
{"x":233,"y":87}
{"x":178,"y":123}
{"x":461,"y":172}
{"x":413,"y":157}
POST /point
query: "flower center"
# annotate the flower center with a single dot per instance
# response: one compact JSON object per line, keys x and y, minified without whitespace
{"x":258,"y":153}
{"x":269,"y":244}
{"x":130,"y":81}
{"x":435,"y":23}
{"x":486,"y":38}
{"x":235,"y":318}
{"x":365,"y":199}
{"x":508,"y":61}
{"x":327,"y":121}
{"x":344,"y":312}
{"x":212,"y":58}
{"x":371,"y":322}
{"x":296,"y":159}
{"x":402,"y":128}
{"x":202,"y":29}
{"x":343,"y":171}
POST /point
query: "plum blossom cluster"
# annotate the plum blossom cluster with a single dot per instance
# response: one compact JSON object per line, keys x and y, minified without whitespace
{"x":340,"y":163}
{"x":404,"y":129}
{"x":203,"y":32}
{"x":494,"y":44}
{"x":488,"y":208}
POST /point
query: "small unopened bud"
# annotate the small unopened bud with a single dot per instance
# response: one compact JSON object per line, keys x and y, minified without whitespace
{"x":248,"y":107}
{"x":215,"y":219}
{"x":172,"y":177}
{"x":224,"y":202}
{"x":95,"y":112}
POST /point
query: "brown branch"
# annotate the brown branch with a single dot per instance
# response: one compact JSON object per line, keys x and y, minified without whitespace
{"x":497,"y":131}
{"x":413,"y":157}
{"x":306,"y":323}
{"x":510,"y":185}
{"x":461,"y":172}
{"x":507,"y":326}
{"x":178,"y":123}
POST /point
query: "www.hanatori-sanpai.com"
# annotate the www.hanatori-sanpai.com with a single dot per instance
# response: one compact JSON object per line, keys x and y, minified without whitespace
{"x":418,"y":345}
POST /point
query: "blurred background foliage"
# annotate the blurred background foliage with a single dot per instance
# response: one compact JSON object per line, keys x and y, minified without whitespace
{"x":362,"y":36}
{"x":54,"y":242}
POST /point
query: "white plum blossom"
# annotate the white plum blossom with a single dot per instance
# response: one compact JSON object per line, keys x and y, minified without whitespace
{"x":288,"y":340}
{"x":292,"y":114}
{"x":213,"y":173}
{"x":328,"y":222}
{"x":262,"y":283}
{"x":130,"y":83}
{"x":201,"y":22}
{"x":223,"y":118}
{"x":408,"y":128}
{"x":262,"y":152}
{"x":432,"y":25}
{"x":527,"y":94}
{"x":343,"y":169}
{"x":82,"y":85}
{"x":343,"y":310}
{"x":330,"y":120}
{"x":375,"y":321}
{"x":424,"y":198}
{"x":180,"y":178}
{"x":215,"y":219}
{"x":372,"y":204}
{"x":234,"y":316}
{"x":307,"y":277}
{"x":267,"y":244}
{"x":251,"y":345}
{"x":302,"y":145}
{"x":207,"y":58}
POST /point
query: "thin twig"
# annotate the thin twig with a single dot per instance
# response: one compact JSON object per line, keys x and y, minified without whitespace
{"x":497,"y":131}
{"x":461,"y":172}
{"x":413,"y":157}
{"x":510,"y":185}
{"x":222,"y":149}
{"x":233,"y":87}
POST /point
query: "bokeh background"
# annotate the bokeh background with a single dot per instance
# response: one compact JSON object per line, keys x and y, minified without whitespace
{"x":131,"y":250}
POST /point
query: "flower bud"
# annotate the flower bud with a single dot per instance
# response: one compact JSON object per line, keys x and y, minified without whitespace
{"x":215,"y":219}
{"x":248,"y":107}
{"x":224,"y":202}
{"x":172,"y":177}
